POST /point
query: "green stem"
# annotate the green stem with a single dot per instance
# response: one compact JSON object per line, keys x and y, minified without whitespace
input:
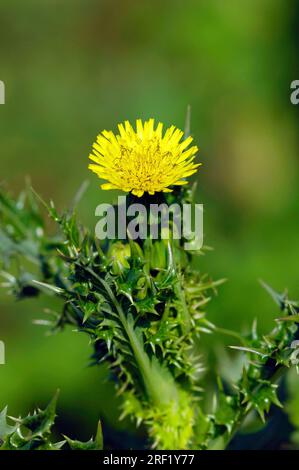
{"x":151,"y":377}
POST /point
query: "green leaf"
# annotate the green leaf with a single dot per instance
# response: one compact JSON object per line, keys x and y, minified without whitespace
{"x":202,"y":428}
{"x":227,"y":410}
{"x":92,"y":444}
{"x":262,"y":398}
{"x":31,"y":432}
{"x":249,"y":350}
{"x":41,"y":421}
{"x":291,"y":318}
{"x":279,"y":299}
{"x":49,"y":287}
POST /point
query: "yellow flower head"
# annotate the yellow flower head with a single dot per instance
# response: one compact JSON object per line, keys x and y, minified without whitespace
{"x":143,"y":160}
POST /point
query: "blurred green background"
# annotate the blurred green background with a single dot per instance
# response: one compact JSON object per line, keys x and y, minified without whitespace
{"x":75,"y":67}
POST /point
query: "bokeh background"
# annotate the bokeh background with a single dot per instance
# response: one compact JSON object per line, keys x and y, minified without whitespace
{"x":75,"y":67}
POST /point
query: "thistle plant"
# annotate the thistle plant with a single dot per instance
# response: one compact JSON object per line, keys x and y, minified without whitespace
{"x":141,"y":302}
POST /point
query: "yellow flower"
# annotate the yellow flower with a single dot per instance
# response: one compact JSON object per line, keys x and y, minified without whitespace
{"x":143,"y":160}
